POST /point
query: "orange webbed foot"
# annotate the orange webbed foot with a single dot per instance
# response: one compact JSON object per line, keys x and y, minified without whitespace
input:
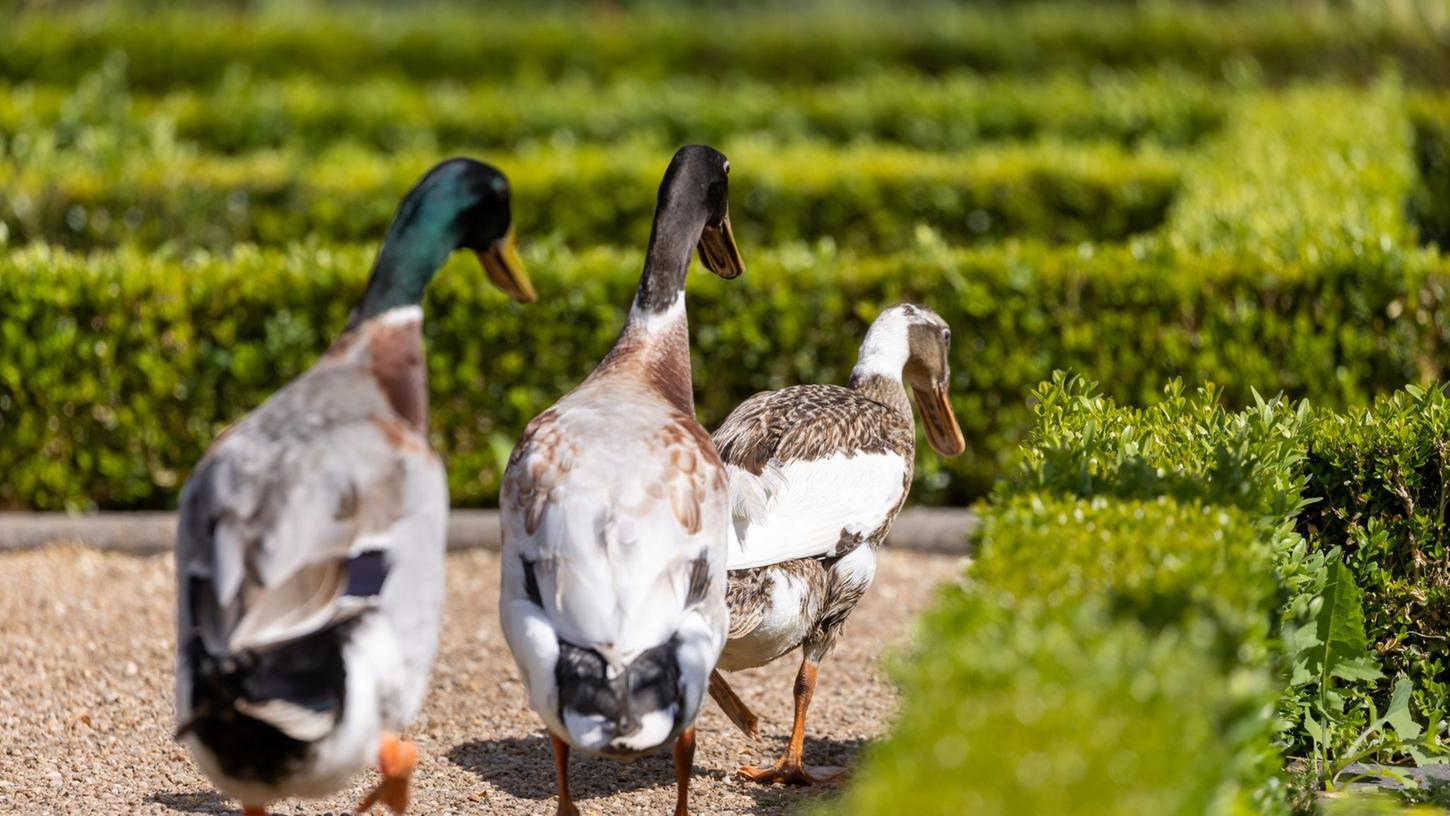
{"x":786,"y":772}
{"x":396,"y":760}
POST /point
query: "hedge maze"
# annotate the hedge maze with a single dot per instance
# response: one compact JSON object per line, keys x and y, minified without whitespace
{"x":1230,"y":217}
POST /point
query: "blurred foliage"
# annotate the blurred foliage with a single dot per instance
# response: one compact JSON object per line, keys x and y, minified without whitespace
{"x":1380,"y":803}
{"x":244,"y":112}
{"x":170,"y":46}
{"x":1430,"y":200}
{"x":864,"y":196}
{"x":1308,"y":175}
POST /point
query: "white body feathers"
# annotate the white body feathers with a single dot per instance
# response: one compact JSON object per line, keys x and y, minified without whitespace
{"x":272,"y":527}
{"x":615,"y":512}
{"x":807,"y":508}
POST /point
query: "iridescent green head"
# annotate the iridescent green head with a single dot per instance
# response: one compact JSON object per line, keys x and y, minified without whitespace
{"x":459,"y":204}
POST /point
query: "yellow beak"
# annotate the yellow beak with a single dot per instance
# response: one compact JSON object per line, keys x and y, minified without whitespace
{"x":501,"y":262}
{"x":718,"y":251}
{"x":939,"y":421}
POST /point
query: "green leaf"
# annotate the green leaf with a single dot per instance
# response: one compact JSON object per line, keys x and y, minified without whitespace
{"x":1339,"y":626}
{"x":1363,"y":667}
{"x":1313,"y":727}
{"x":1300,"y":644}
{"x":1398,"y":714}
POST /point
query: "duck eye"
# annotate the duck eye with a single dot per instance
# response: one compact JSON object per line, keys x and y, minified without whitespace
{"x":946,"y":336}
{"x":727,"y":167}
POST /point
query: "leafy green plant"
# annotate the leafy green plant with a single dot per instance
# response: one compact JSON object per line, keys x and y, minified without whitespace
{"x":1053,"y":539}
{"x":1130,"y":545}
{"x":1384,"y":474}
{"x":1434,"y":792}
{"x":1187,"y":446}
{"x":1332,"y":646}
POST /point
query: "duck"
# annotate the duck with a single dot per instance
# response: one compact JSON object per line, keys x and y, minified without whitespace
{"x":310,"y":539}
{"x":817,"y":474}
{"x":614,"y":511}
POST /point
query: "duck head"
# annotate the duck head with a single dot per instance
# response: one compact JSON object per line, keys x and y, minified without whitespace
{"x":459,"y":204}
{"x":696,"y":189}
{"x":908,"y":344}
{"x":927,"y":373}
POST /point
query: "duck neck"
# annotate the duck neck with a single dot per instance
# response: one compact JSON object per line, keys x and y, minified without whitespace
{"x":415,"y":248}
{"x":878,"y":367}
{"x":656,"y":337}
{"x":655,"y":347}
{"x":672,"y":240}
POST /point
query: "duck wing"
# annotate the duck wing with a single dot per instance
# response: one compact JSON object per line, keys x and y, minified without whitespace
{"x":814,"y":470}
{"x":293,"y":521}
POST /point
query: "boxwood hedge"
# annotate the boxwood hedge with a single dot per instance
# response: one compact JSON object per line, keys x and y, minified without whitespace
{"x":1382,"y":474}
{"x":863,"y":196}
{"x":1113,"y":694}
{"x":1109,"y":650}
{"x":244,"y":112}
{"x":117,"y":368}
{"x":1271,"y":187}
{"x":1430,"y":200}
{"x":1133,"y":613}
{"x":1366,"y":486}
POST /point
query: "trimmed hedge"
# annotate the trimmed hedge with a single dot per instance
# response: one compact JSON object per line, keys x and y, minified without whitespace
{"x":1275,"y":187}
{"x":1376,"y":482}
{"x":100,"y":352}
{"x":244,"y":113}
{"x":1185,"y":447}
{"x":1383,"y":476}
{"x":1143,"y":585}
{"x":1131,"y":663}
{"x":784,"y":43}
{"x":1111,"y":694}
{"x":862,"y":196}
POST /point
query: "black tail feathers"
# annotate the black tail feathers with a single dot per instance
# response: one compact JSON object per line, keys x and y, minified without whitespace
{"x":230,"y":695}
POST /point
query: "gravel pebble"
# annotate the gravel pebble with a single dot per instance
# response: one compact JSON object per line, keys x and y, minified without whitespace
{"x":86,"y":712}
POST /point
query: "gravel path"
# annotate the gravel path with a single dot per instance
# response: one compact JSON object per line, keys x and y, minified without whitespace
{"x":85,"y":701}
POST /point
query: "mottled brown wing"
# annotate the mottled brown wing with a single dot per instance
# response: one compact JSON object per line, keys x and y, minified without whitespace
{"x":807,"y":422}
{"x":541,"y":459}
